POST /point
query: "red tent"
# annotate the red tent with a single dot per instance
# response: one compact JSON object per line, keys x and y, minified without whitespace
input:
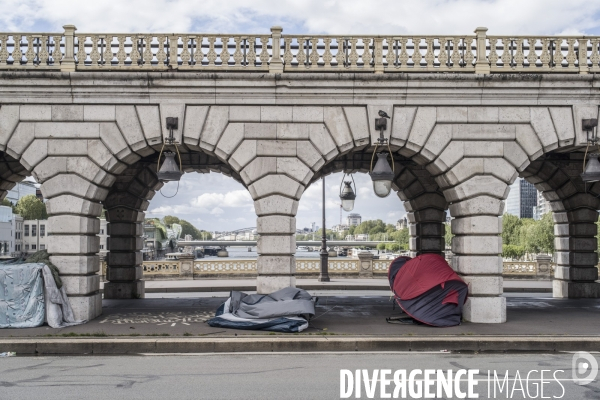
{"x":427,"y":289}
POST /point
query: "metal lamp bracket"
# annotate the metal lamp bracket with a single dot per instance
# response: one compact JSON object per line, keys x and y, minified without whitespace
{"x":172,"y":124}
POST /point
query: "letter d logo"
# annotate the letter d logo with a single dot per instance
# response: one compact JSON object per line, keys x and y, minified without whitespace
{"x":584,"y":368}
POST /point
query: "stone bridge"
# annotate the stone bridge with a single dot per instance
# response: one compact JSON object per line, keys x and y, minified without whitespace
{"x":85,"y":115}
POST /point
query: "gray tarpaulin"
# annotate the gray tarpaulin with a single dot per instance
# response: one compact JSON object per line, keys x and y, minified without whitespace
{"x":29,"y":296}
{"x":286,"y":310}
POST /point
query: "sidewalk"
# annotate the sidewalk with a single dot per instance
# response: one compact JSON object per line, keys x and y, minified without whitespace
{"x":342,"y":323}
{"x":337,"y":284}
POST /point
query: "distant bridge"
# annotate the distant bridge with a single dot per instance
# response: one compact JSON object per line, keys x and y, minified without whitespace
{"x":252,"y":243}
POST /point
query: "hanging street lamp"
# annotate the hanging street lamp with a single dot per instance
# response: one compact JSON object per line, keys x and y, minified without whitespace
{"x":347,"y":194}
{"x":382,"y":175}
{"x":170,"y":171}
{"x":591,"y":169}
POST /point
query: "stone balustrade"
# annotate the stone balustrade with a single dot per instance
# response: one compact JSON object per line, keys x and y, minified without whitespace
{"x":341,"y":267}
{"x":276,"y":53}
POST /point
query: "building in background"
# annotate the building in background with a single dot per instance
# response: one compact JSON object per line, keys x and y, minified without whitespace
{"x":543,"y":207}
{"x":353,"y":220}
{"x":402,"y":223}
{"x":11,"y":227}
{"x":34,"y":235}
{"x":521,"y":199}
{"x":103,"y":234}
{"x":21,"y":189}
{"x":340,"y":228}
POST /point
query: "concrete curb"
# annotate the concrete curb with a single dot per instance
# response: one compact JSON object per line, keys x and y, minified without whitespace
{"x":197,"y":289}
{"x":263,"y":344}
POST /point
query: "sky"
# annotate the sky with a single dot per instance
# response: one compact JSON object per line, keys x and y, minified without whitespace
{"x":215,"y":202}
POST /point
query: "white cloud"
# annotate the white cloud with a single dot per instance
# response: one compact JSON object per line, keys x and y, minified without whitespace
{"x":515,"y":17}
{"x":217,"y":211}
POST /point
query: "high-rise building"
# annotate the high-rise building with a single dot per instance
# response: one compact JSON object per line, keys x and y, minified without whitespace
{"x":521,"y":199}
{"x":353,"y":219}
{"x":21,"y":189}
{"x":543,"y":207}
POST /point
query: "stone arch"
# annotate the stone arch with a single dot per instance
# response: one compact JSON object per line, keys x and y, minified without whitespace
{"x":575,"y":208}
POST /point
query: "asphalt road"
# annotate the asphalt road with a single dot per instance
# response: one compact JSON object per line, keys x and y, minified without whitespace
{"x":273,"y":376}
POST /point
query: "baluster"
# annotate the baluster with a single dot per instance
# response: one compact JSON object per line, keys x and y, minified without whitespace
{"x":429,"y":55}
{"x":301,"y":55}
{"x":238,"y":57}
{"x":545,"y":56}
{"x":225,"y":56}
{"x":135,"y":54}
{"x":443,"y":56}
{"x":30,"y":53}
{"x":403,"y":57}
{"x":4,"y":50}
{"x":288,"y":56}
{"x":493,"y":57}
{"x":314,"y":54}
{"x":212,"y":54}
{"x":327,"y":56}
{"x":519,"y":55}
{"x":264,"y":53}
{"x":252,"y":51}
{"x":532,"y":55}
{"x":198,"y":54}
{"x":558,"y":55}
{"x":161,"y":55}
{"x":390,"y":54}
{"x":353,"y":57}
{"x":583,"y":57}
{"x":121,"y":53}
{"x":81,"y":51}
{"x":595,"y":57}
{"x":506,"y":56}
{"x":148,"y":56}
{"x":56,"y":51}
{"x":366,"y":55}
{"x":94,"y":54}
{"x":108,"y":54}
{"x":378,"y":63}
{"x":571,"y":56}
{"x":17,"y":53}
{"x":340,"y":56}
{"x":43,"y":54}
{"x":417,"y":56}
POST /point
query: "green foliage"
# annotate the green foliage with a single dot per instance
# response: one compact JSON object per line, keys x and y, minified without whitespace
{"x":381,"y":246}
{"x":393,"y":247}
{"x":7,"y":203}
{"x":448,"y":235}
{"x":512,"y":251}
{"x":525,"y":235}
{"x":30,"y":207}
{"x":186,"y":228}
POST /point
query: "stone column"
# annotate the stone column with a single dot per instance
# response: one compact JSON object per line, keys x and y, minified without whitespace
{"x":124,"y":271}
{"x":186,"y":269}
{"x":576,"y":258}
{"x":544,"y":266}
{"x":73,"y":247}
{"x":276,"y":244}
{"x":427,"y":231}
{"x":477,"y":246}
{"x":366,"y":264}
{"x":125,"y":205}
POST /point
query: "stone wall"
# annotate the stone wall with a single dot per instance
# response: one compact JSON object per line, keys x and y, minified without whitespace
{"x":459,"y":141}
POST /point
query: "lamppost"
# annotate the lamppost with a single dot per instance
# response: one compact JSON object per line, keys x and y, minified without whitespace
{"x":324,"y":275}
{"x":591,"y":169}
{"x":382,"y":175}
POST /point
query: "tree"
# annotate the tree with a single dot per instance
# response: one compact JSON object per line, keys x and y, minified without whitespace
{"x":448,"y":235}
{"x":511,"y":224}
{"x":187,"y":228}
{"x":7,"y":203}
{"x":512,"y":251}
{"x":381,"y":246}
{"x":30,"y":207}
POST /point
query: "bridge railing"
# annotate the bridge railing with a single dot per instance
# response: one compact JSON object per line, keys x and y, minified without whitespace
{"x":276,"y":53}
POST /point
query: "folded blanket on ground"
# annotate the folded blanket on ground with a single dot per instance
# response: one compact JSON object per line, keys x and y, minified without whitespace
{"x":286,"y":310}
